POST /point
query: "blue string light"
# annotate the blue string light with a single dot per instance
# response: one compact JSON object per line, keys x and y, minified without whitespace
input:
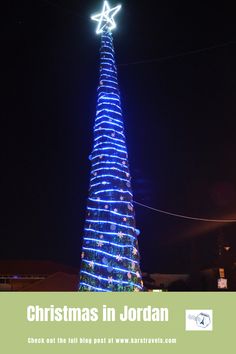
{"x":108,"y":254}
{"x":110,"y":176}
{"x":110,"y":211}
{"x":109,"y":233}
{"x":98,"y":184}
{"x":108,"y":243}
{"x":110,"y":121}
{"x":109,"y":201}
{"x":108,"y":110}
{"x":108,"y":163}
{"x":111,"y":148}
{"x":110,"y":156}
{"x":107,"y":280}
{"x":108,"y":169}
{"x":109,"y":104}
{"x":111,"y":223}
{"x":112,"y":94}
{"x":111,"y":143}
{"x":93,"y":287}
{"x":106,"y":266}
{"x":109,"y":137}
{"x":112,"y":190}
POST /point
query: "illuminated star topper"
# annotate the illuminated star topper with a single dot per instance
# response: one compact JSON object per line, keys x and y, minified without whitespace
{"x":106,"y":18}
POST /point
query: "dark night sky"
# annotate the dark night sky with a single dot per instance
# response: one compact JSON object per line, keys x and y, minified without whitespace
{"x":179,"y":116}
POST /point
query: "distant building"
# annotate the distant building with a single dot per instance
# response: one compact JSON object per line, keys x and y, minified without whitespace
{"x":175,"y":282}
{"x":220,"y":279}
{"x":37,"y":276}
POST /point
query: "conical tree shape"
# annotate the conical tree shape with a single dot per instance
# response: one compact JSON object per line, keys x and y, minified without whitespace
{"x":110,"y":255}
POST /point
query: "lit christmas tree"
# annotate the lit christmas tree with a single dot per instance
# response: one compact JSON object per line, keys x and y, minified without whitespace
{"x":110,"y":255}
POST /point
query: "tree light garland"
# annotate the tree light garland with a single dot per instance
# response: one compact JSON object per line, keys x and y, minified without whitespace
{"x":110,"y":255}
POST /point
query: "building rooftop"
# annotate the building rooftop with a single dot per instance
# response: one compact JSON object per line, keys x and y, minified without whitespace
{"x":26,"y":267}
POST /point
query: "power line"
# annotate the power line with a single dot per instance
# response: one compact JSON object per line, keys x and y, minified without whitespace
{"x":185,"y":216}
{"x":191,"y":52}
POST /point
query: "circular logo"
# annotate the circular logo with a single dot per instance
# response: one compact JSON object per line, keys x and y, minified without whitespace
{"x":203,"y":320}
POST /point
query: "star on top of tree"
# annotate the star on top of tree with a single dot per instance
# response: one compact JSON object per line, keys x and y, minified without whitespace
{"x":106,"y":18}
